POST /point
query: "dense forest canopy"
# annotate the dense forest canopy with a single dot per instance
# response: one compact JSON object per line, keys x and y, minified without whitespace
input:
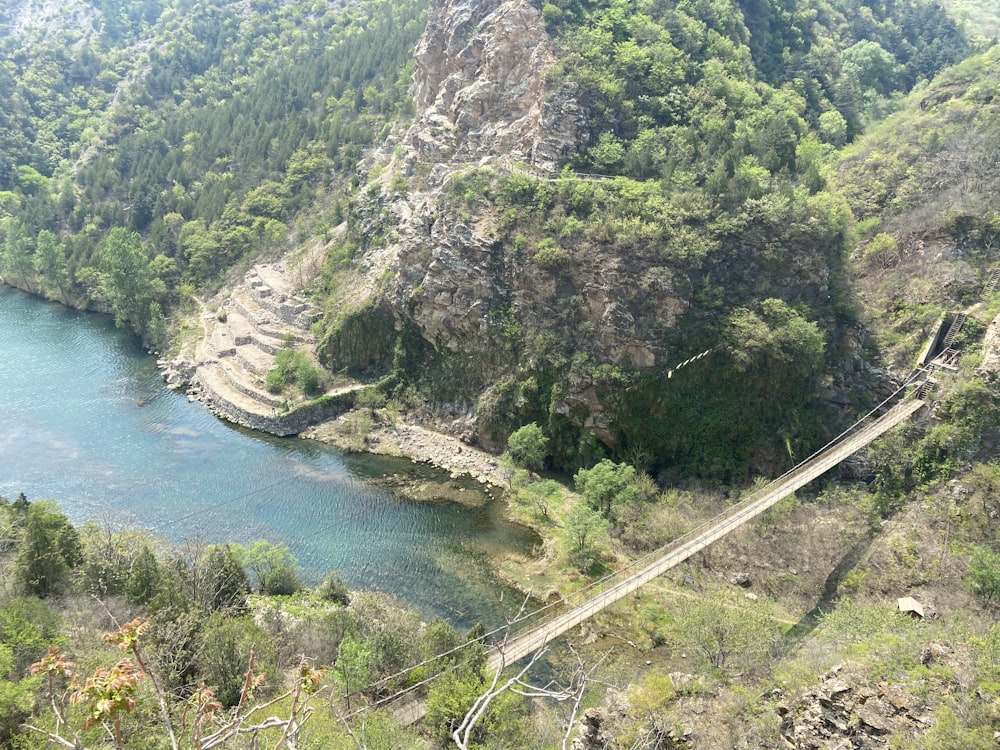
{"x":200,"y":126}
{"x":184,"y":137}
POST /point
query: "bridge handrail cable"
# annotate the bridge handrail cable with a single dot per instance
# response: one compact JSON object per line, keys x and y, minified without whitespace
{"x":722,"y":521}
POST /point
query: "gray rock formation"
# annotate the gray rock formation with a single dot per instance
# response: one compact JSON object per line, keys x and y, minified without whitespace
{"x":480,"y":89}
{"x":844,"y":711}
{"x":449,"y":269}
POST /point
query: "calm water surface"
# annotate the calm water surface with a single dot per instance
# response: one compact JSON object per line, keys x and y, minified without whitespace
{"x":85,"y":419}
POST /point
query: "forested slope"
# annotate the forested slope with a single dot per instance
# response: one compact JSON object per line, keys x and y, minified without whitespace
{"x":204,"y":127}
{"x":148,"y":148}
{"x":713,"y":227}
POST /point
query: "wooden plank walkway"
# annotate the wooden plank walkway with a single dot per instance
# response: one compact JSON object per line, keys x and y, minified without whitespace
{"x":523,"y":644}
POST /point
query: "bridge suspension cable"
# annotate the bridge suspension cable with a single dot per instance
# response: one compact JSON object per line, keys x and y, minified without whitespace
{"x":680,"y":548}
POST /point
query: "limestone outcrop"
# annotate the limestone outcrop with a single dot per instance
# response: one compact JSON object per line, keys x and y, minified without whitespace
{"x":480,"y":89}
{"x":844,"y":710}
{"x":449,"y":268}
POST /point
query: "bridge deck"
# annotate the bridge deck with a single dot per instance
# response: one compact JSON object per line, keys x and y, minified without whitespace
{"x":681,"y":549}
{"x":686,"y":546}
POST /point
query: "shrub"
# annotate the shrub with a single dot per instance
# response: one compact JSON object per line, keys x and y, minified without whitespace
{"x":881,"y":250}
{"x":527,"y":446}
{"x":293,"y":367}
{"x":226,"y":645}
{"x":283,"y":581}
{"x":333,"y":589}
{"x":984,"y":575}
{"x":550,"y":256}
{"x":27,"y":627}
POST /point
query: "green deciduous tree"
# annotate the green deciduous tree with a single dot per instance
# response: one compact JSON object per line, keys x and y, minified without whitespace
{"x":353,"y":667}
{"x":984,"y":575}
{"x":527,"y":446}
{"x":583,"y":529}
{"x":155,"y":332}
{"x":607,"y":486}
{"x":451,"y":697}
{"x":727,"y":635}
{"x":125,"y":281}
{"x":52,"y":266}
{"x":776,"y":336}
{"x":870,"y":66}
{"x":541,"y":496}
{"x":17,"y":253}
{"x":833,"y":128}
{"x":263,"y":559}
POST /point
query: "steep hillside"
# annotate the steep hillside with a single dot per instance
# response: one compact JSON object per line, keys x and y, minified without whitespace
{"x":924,"y":185}
{"x":691,"y":214}
{"x":205,"y":128}
{"x":795,"y":632}
{"x":586,"y":195}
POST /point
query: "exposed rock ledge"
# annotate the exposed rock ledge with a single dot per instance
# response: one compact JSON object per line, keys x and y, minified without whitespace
{"x":420,"y":445}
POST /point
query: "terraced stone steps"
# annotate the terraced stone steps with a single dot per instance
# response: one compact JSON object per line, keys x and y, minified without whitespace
{"x":260,"y":317}
{"x":235,"y":381}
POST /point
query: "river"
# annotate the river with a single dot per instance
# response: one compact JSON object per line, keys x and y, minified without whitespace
{"x":87,"y":421}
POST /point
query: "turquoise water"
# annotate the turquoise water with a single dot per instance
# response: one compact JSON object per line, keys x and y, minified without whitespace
{"x":85,"y":420}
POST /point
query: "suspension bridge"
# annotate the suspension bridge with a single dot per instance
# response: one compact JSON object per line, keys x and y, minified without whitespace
{"x":909,"y":398}
{"x":603,"y":594}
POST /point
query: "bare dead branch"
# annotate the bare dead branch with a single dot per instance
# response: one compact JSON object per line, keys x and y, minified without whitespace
{"x":56,"y":739}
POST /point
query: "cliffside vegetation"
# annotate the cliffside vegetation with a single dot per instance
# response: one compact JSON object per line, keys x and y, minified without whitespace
{"x":696,"y":215}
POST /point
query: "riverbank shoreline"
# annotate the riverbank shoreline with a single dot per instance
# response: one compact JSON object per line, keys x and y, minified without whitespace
{"x":417,"y":443}
{"x":403,"y":440}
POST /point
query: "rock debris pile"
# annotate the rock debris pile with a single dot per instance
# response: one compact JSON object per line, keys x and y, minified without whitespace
{"x":843,"y":712}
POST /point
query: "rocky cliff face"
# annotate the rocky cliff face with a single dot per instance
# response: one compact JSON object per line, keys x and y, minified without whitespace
{"x":480,"y":89}
{"x":450,"y":273}
{"x":439,"y":256}
{"x":483,"y":100}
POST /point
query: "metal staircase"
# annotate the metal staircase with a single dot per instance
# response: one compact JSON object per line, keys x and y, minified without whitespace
{"x":953,"y":329}
{"x":991,"y":282}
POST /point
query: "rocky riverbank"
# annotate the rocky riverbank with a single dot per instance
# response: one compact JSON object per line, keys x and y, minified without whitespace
{"x":419,"y":444}
{"x":241,"y":331}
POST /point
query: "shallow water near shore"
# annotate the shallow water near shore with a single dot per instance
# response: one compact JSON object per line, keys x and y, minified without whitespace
{"x":87,"y":421}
